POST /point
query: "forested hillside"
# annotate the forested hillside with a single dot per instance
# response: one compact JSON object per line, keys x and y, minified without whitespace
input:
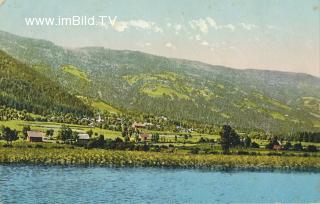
{"x":23,"y":88}
{"x":180,"y":89}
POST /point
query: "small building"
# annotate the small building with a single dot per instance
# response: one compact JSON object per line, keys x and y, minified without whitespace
{"x":148,"y":124}
{"x":83,"y":139}
{"x":99,"y":120}
{"x":35,"y":136}
{"x":144,"y":136}
{"x":138,"y":125}
{"x":277,"y":147}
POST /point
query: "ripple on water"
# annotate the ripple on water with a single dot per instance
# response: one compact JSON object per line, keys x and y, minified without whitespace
{"x":39,"y":184}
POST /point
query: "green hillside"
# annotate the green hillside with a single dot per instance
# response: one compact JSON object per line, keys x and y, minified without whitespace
{"x":75,"y":72}
{"x":98,"y":105}
{"x":180,"y":89}
{"x":23,"y":88}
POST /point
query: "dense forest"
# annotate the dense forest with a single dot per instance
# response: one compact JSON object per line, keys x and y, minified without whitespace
{"x":23,"y":88}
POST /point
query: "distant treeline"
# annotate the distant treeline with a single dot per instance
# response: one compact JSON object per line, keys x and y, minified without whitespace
{"x":307,"y":137}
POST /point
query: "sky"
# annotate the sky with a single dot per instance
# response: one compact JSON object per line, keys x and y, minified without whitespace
{"x":261,"y":34}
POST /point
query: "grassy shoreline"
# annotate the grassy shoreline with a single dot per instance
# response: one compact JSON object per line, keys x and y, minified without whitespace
{"x":98,"y":157}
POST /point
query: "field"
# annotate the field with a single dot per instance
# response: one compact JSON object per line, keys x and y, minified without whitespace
{"x":166,"y":137}
{"x":102,"y":106}
{"x":42,"y":126}
{"x":75,"y":72}
{"x":169,"y":151}
{"x":160,"y":90}
{"x":79,"y":156}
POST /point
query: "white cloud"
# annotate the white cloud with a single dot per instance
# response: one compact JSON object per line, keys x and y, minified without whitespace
{"x":197,"y":37}
{"x":157,"y":29}
{"x":140,"y":24}
{"x":203,"y":25}
{"x":247,"y":26}
{"x":177,"y":28}
{"x":205,"y":43}
{"x":121,"y":26}
{"x":200,"y":24}
{"x":212,"y":22}
{"x":229,"y":26}
{"x":170,"y":45}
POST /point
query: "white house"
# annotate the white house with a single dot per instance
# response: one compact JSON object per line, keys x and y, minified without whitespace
{"x":83,"y":138}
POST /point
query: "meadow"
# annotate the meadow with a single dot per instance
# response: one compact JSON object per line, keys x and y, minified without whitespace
{"x":98,"y":157}
{"x":42,"y":126}
{"x":167,"y":152}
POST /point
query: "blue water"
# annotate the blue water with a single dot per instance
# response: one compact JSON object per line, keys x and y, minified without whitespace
{"x":39,"y":184}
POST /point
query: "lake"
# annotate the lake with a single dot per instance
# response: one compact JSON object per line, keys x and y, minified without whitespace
{"x":40,"y":184}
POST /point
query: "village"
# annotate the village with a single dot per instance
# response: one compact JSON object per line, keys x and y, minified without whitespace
{"x":137,"y":132}
{"x":143,"y":134}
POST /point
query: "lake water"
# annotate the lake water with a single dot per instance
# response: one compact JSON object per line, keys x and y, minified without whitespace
{"x":39,"y":184}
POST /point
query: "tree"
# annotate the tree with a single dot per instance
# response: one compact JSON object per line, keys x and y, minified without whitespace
{"x":65,"y":133}
{"x":229,"y":138}
{"x":297,"y":147}
{"x":235,"y":139}
{"x":311,"y":148}
{"x":155,"y":137}
{"x":255,"y":145}
{"x":202,"y":140}
{"x":124,"y":132}
{"x":185,"y":138}
{"x":101,"y":141}
{"x":25,"y":130}
{"x":97,"y":142}
{"x":247,"y":142}
{"x":137,"y":138}
{"x":9,"y":135}
{"x":49,"y":133}
{"x":287,"y":146}
{"x":127,"y":139}
{"x":272,"y":141}
{"x":90,"y":133}
{"x":75,"y":136}
{"x":118,"y":140}
{"x":130,"y":131}
{"x":225,"y":135}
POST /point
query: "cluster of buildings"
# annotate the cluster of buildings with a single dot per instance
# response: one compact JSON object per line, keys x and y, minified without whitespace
{"x":83,"y":138}
{"x":38,"y":136}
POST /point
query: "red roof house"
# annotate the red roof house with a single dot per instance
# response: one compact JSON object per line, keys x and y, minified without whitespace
{"x":144,"y":136}
{"x":277,"y":147}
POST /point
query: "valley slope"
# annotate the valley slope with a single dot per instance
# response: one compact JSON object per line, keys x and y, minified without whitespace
{"x":23,"y":88}
{"x":180,"y":89}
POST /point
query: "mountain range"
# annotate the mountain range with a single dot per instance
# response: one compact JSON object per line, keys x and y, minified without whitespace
{"x":181,"y":89}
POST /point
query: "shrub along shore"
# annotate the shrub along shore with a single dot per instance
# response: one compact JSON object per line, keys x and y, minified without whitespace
{"x":98,"y":157}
